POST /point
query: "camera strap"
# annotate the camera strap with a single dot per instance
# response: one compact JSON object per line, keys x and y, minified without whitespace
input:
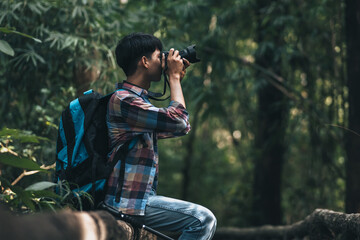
{"x":157,"y":96}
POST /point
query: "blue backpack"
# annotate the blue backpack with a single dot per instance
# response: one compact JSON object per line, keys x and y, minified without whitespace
{"x":83,"y":146}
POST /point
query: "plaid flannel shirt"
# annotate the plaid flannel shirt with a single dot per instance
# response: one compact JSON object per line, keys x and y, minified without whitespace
{"x":132,"y":116}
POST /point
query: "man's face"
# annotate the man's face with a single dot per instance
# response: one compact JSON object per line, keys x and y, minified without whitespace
{"x":155,"y":68}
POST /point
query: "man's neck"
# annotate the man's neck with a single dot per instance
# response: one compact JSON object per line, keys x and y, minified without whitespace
{"x":139,"y":80}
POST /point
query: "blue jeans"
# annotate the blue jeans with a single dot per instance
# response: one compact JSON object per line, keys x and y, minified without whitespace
{"x":195,"y":222}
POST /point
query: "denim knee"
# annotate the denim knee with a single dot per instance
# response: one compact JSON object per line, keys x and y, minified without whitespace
{"x":208,"y":221}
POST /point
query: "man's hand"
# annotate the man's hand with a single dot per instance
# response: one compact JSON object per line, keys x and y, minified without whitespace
{"x":186,"y":65}
{"x":175,"y":65}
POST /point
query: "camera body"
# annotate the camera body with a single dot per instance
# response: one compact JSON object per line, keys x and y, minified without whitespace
{"x":189,"y":53}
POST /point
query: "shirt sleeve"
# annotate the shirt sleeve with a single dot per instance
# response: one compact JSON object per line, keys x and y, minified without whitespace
{"x":137,"y":113}
{"x":163,"y":135}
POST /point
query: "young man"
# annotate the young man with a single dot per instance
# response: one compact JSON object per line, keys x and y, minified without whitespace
{"x":132,"y":117}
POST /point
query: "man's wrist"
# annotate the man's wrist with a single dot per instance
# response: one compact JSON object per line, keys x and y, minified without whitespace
{"x":174,"y":76}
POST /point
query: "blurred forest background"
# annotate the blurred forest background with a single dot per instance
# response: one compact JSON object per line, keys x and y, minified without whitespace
{"x":274,"y":131}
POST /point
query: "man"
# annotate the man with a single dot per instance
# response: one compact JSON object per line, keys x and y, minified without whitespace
{"x":132,"y":116}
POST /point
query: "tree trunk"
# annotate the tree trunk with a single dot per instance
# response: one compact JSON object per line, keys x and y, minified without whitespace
{"x":189,"y":156}
{"x":271,"y":124}
{"x":83,"y":77}
{"x":352,"y":23}
{"x":63,"y":225}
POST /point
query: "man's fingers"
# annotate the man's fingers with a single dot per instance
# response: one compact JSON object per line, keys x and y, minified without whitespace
{"x":186,"y":63}
{"x":182,"y":74}
{"x":163,"y":60}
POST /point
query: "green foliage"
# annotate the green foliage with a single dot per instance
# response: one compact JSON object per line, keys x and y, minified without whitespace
{"x":78,"y":38}
{"x":21,"y":136}
{"x":31,"y":195}
{"x":34,"y":198}
{"x":5,"y":46}
{"x":17,"y":197}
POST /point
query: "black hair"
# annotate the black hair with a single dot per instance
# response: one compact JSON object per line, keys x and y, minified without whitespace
{"x":132,"y":47}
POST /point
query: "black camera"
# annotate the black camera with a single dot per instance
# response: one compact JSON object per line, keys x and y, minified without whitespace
{"x":189,"y":53}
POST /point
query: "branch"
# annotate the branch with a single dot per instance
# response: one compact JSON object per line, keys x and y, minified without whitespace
{"x":244,"y":61}
{"x":6,"y":149}
{"x":279,"y":82}
{"x":23,"y":174}
{"x":321,"y":224}
{"x":27,"y":173}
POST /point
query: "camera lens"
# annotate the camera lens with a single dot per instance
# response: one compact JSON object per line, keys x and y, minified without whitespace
{"x":189,"y":53}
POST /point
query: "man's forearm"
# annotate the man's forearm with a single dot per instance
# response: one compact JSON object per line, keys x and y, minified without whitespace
{"x":176,"y":90}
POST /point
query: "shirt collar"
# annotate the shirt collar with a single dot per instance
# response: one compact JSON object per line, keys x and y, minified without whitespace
{"x":132,"y":87}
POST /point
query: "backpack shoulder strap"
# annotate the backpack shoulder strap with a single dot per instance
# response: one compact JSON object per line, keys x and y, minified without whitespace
{"x":69,"y":132}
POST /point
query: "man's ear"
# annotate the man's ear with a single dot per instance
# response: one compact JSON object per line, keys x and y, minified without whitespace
{"x":144,"y":62}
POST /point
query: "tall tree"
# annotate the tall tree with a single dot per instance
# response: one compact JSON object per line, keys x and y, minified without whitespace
{"x":352,"y":21}
{"x":271,"y":117}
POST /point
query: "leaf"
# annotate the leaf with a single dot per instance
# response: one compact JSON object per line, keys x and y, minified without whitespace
{"x":46,"y":194}
{"x":48,"y":205}
{"x":40,"y":186}
{"x":5,"y":30}
{"x":26,"y":198}
{"x":14,"y":161}
{"x":23,"y":196}
{"x":23,"y":136}
{"x":8,"y":30}
{"x":6,"y":48}
{"x":28,"y":36}
{"x":4,"y":182}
